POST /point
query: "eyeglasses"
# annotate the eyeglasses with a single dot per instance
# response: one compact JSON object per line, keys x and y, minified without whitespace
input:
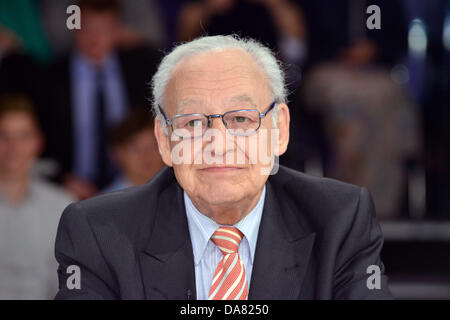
{"x":242,"y":122}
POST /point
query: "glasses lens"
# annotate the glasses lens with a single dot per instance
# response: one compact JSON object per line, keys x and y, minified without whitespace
{"x":242,"y":122}
{"x":189,"y":126}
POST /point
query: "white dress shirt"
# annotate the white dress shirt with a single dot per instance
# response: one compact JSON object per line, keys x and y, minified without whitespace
{"x":206,"y":253}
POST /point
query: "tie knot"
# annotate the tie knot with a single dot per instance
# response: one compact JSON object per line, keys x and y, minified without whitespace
{"x":227,"y":239}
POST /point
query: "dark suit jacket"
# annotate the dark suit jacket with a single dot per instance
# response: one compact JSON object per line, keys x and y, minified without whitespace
{"x":316,"y":239}
{"x":137,"y":68}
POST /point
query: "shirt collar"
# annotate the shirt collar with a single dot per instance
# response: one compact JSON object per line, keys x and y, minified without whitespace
{"x":201,"y":227}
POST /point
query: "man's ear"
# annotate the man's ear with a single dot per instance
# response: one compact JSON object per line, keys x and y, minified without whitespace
{"x":284,"y":119}
{"x":163,"y":143}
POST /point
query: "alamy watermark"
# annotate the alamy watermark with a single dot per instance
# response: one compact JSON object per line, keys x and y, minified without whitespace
{"x":73,"y":22}
{"x":374,"y":280}
{"x":374,"y":20}
{"x":74,"y":280}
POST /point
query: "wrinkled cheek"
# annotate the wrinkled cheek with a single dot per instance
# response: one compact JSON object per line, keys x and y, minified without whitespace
{"x":185,"y":177}
{"x":182,"y":153}
{"x":262,"y":148}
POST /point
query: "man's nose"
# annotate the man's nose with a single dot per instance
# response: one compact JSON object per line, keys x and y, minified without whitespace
{"x":216,"y":122}
{"x":219,"y":136}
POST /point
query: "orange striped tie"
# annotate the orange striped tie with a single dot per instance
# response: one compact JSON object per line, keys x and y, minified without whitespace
{"x":229,"y":282}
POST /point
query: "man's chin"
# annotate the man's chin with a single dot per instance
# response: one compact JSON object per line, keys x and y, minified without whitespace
{"x":222,"y":194}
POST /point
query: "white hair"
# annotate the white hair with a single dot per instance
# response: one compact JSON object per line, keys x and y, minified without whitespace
{"x":263,"y":56}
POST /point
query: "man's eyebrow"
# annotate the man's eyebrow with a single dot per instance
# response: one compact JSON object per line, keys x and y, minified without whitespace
{"x":242,"y":98}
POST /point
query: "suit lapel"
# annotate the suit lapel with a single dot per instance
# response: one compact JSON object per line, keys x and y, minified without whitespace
{"x":282,"y":253}
{"x":167,"y":263}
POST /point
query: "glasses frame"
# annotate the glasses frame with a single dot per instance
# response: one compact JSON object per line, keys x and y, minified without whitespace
{"x":214,"y":116}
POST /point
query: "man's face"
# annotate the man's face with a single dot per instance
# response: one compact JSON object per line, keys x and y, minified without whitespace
{"x":20,"y":143}
{"x":214,"y":83}
{"x":97,"y":36}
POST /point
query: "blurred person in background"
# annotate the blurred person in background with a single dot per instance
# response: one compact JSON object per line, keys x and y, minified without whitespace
{"x":142,"y":23}
{"x":372,"y":130}
{"x":354,"y":92}
{"x":89,"y":91}
{"x":135,"y":151}
{"x":29,"y":207}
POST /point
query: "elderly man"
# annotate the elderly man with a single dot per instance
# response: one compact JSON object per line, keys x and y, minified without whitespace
{"x":216,"y":224}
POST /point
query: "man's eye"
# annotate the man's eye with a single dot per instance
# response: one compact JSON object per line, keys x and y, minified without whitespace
{"x":240,"y":119}
{"x":194,"y":123}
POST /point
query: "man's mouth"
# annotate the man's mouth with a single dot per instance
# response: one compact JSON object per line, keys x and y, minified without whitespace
{"x":221,"y":169}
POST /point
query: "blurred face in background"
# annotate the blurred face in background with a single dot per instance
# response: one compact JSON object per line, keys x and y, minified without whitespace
{"x":138,"y":156}
{"x":20,"y":144}
{"x":219,"y":6}
{"x":97,"y":36}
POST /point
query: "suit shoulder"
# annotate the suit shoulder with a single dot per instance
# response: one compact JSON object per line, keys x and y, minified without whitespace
{"x":317,"y":199}
{"x":127,"y":208}
{"x":300,"y":182}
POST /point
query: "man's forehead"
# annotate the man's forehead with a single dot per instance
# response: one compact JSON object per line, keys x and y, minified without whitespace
{"x":232,"y":73}
{"x":217,"y":64}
